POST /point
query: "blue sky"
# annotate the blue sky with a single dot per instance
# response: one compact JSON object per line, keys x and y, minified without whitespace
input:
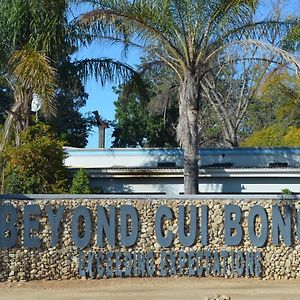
{"x":102,"y":98}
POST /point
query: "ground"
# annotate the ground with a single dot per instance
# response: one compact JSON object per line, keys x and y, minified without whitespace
{"x":152,"y":288}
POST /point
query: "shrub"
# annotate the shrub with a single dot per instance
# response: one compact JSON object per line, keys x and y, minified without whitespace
{"x":37,"y":165}
{"x":80,"y":183}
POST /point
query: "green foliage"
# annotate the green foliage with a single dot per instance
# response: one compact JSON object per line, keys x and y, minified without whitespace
{"x":269,"y":137}
{"x":32,"y":34}
{"x":80,"y":183}
{"x":286,"y":192}
{"x":292,"y":137}
{"x":274,"y":118}
{"x":274,"y":136}
{"x":135,"y":126}
{"x":69,"y":123}
{"x":36,"y":166}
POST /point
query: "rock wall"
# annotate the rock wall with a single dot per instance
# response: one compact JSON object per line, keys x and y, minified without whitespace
{"x":63,"y":261}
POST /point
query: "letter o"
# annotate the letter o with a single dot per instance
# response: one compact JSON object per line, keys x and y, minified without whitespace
{"x":81,"y":242}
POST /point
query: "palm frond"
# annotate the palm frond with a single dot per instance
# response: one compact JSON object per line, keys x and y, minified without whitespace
{"x":291,"y":41}
{"x":104,"y":70}
{"x":272,"y":50}
{"x":237,"y":51}
{"x":33,"y":71}
{"x":139,"y":20}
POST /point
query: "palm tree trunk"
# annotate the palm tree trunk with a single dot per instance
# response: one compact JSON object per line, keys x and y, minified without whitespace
{"x":188,"y":133}
{"x":18,"y":116}
{"x":191,"y":169}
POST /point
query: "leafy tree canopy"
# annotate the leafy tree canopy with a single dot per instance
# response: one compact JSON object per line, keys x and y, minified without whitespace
{"x":37,"y":165}
{"x":137,"y":126}
{"x":80,"y":183}
{"x":275,"y":116}
{"x":193,"y":38}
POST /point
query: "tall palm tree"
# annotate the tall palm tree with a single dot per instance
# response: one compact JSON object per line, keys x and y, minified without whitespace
{"x":31,"y":33}
{"x":34,"y":36}
{"x":193,"y":38}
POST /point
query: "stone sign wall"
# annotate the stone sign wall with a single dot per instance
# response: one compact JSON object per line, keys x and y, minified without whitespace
{"x":102,"y":238}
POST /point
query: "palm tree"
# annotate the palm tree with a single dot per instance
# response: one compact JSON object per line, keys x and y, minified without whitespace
{"x":194,"y":39}
{"x":34,"y":36}
{"x":31,"y":33}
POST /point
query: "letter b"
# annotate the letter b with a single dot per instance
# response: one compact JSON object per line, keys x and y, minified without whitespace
{"x":233,"y":225}
{"x":8,"y":226}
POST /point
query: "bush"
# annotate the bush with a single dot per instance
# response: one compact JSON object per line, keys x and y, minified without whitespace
{"x":80,"y":183}
{"x":37,"y":165}
{"x":274,"y":136}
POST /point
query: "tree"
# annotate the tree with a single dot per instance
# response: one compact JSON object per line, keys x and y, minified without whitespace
{"x":69,"y":123}
{"x":231,"y":94}
{"x":37,"y":165}
{"x":144,"y":122}
{"x":274,"y":136}
{"x":137,"y":126}
{"x":80,"y":183}
{"x":41,"y":29}
{"x":274,"y":118}
{"x":31,"y":33}
{"x":193,"y":38}
{"x":5,"y":103}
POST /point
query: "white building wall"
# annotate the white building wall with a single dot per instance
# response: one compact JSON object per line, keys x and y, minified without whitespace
{"x":250,"y":172}
{"x":174,"y":186}
{"x":244,"y":157}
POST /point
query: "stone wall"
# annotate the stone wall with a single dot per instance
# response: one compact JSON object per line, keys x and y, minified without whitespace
{"x":62,"y":261}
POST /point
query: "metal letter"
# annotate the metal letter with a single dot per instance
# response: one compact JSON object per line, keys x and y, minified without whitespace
{"x":258,"y":266}
{"x":239,"y":263}
{"x":163,"y":263}
{"x":105,"y":226}
{"x":182,"y":262}
{"x":89,"y":269}
{"x":224,"y":255}
{"x":127,"y":239}
{"x":216,"y":265}
{"x":81,"y":264}
{"x":190,"y":239}
{"x":109,"y":264}
{"x":30,"y":225}
{"x":54,"y":220}
{"x":191,"y":263}
{"x":163,"y":212}
{"x":173,"y":270}
{"x":100,"y":263}
{"x":199,"y":267}
{"x":204,"y":223}
{"x":232,"y":255}
{"x":283,"y":225}
{"x":250,"y":264}
{"x":258,"y":211}
{"x":119,"y":256}
{"x":6,"y":225}
{"x":233,"y":224}
{"x":298,"y":224}
{"x":207,"y":255}
{"x":128,"y":263}
{"x":81,"y":212}
{"x":150,"y":263}
{"x":141,"y":264}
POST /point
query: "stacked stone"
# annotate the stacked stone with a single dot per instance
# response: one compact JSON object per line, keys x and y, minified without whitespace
{"x":61,"y":262}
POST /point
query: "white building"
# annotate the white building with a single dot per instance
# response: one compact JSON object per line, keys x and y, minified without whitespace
{"x":160,"y":171}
